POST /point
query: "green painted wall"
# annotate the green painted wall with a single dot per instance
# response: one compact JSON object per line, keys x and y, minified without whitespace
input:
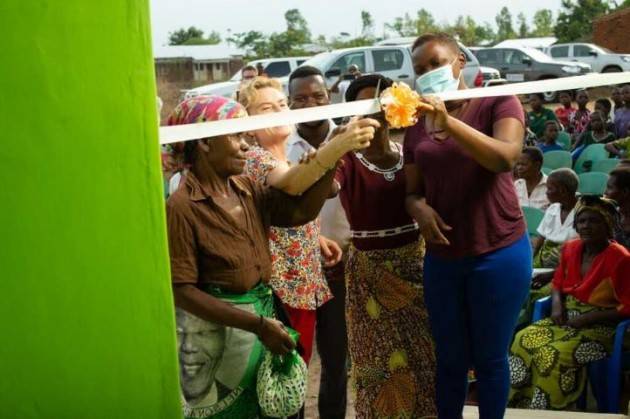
{"x":86,"y":319}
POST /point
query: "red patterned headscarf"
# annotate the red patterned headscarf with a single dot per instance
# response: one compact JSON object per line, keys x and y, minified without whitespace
{"x":205,"y":109}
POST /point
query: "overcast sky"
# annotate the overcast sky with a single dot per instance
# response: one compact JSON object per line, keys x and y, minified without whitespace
{"x":324,"y":16}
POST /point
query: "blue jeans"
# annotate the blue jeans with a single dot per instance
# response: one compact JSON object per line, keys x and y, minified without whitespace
{"x":473,"y":305}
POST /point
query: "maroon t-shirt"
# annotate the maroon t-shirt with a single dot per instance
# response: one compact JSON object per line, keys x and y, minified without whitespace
{"x":480,"y":206}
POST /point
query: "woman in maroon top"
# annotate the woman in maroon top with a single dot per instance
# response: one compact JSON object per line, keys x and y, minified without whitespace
{"x":389,"y":341}
{"x":458,"y":162}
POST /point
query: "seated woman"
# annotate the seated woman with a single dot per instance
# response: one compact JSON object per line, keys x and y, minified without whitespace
{"x":595,"y":134}
{"x":590,"y":296}
{"x":548,"y":140}
{"x":556,"y":226}
{"x":554,"y":230}
{"x":389,"y":340}
{"x":531,"y":185}
{"x":578,"y":121}
{"x":297,"y":277}
{"x":218,"y":223}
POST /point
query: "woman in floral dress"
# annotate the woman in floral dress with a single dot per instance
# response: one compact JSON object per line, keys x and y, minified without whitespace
{"x":297,"y":278}
{"x":389,"y":341}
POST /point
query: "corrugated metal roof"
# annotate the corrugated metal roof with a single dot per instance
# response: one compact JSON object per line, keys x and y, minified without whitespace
{"x":197,"y":52}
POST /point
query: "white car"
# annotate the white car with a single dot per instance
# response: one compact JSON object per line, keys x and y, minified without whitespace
{"x":600,"y":59}
{"x":275,"y":67}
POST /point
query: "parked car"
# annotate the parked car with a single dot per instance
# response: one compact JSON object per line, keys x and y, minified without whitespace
{"x":274,"y":67}
{"x":529,"y":64}
{"x":599,"y":58}
{"x":393,"y":61}
{"x":491,"y":76}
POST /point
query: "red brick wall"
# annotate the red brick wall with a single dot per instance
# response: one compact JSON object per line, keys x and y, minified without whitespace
{"x":613,"y":31}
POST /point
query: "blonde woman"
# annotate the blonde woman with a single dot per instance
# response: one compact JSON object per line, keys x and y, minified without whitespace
{"x":297,"y":277}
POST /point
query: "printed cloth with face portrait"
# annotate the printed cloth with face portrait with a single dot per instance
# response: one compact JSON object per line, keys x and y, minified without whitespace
{"x":218,"y":364}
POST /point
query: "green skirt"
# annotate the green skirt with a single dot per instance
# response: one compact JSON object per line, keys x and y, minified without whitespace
{"x":218,"y":364}
{"x":548,"y":362}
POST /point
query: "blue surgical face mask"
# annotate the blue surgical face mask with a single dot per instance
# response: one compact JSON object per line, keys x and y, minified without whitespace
{"x":438,"y":80}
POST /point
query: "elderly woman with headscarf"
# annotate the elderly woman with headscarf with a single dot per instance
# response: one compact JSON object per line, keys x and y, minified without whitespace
{"x":218,"y":225}
{"x":590,"y":295}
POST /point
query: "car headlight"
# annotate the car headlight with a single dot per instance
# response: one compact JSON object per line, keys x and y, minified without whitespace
{"x":571,"y":69}
{"x":626,"y":58}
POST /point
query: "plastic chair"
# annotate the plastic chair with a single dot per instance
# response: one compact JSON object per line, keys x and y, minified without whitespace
{"x":593,"y":183}
{"x":533,"y":217}
{"x":605,"y":374}
{"x":546,"y":170}
{"x":605,"y":166}
{"x":557,"y":159}
{"x":589,"y":157}
{"x":564,"y":139}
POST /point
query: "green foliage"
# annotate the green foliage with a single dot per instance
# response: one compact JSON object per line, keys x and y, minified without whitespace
{"x":367,"y":24}
{"x":523,"y":28}
{"x":193,"y":36}
{"x":576,"y":17}
{"x":543,"y":23}
{"x":505,"y":29}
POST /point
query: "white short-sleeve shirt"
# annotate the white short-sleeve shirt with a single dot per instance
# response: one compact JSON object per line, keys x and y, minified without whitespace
{"x":552,"y":228}
{"x":537,"y":199}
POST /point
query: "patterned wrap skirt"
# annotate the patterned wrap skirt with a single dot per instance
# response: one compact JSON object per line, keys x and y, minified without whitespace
{"x":548,"y":362}
{"x":389,"y":340}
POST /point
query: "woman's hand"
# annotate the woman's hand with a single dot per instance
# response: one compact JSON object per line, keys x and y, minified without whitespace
{"x":436,"y":115}
{"x":558,"y":312}
{"x":578,"y":322}
{"x":357,"y":134}
{"x":541,"y":280}
{"x":274,"y":336}
{"x":431,"y":224}
{"x":331,"y":252}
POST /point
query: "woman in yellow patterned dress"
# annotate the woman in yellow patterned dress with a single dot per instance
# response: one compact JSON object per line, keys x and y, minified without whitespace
{"x":389,"y":341}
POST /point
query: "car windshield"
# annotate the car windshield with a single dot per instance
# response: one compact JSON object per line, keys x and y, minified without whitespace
{"x":601,"y":49}
{"x":237,"y":76}
{"x":537,"y":54}
{"x":319,"y":61}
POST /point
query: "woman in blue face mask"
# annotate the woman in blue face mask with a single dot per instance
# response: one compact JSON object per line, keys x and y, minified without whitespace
{"x":477,"y":271}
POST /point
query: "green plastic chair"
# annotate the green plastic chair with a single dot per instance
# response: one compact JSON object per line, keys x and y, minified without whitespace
{"x":546,"y":171}
{"x":533,"y":217}
{"x":591,"y":154}
{"x":557,"y":159}
{"x":593,"y":183}
{"x":564,"y":139}
{"x":605,"y":166}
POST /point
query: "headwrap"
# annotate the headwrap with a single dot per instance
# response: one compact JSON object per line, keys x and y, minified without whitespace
{"x":605,"y":207}
{"x":204,"y":109}
{"x":201,"y":109}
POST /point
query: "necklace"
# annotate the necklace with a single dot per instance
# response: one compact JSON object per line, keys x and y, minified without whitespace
{"x":388,"y":174}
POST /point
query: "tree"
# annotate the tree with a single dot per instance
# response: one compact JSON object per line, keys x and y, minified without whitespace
{"x":297,"y":27}
{"x":367,"y":24}
{"x":403,"y":26}
{"x":425,"y":22}
{"x":505,"y":30}
{"x":523,"y":29}
{"x":254,"y":42}
{"x":485,"y":32}
{"x":180,"y":36}
{"x":575,"y":19}
{"x":193,"y":36}
{"x":543,"y":23}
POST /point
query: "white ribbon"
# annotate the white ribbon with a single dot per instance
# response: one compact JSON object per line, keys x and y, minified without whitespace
{"x":177,"y":133}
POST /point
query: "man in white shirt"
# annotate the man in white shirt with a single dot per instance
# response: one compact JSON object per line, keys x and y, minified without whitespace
{"x":307,"y":88}
{"x":531,"y":185}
